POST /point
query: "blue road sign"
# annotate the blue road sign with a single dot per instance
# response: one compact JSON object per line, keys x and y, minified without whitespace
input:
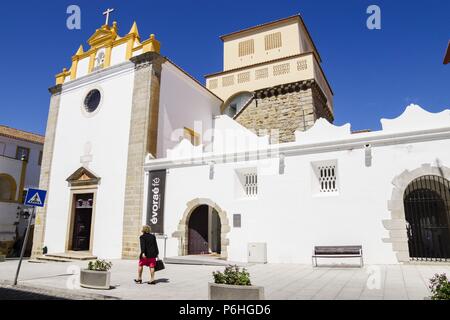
{"x":35,"y":198}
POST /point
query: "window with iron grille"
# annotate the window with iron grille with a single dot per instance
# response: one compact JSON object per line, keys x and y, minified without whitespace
{"x":251,"y":184}
{"x":273,"y":41}
{"x":327,"y":178}
{"x":246,"y":47}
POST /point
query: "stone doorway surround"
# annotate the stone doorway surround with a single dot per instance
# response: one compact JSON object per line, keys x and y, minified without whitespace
{"x":397,"y":224}
{"x":182,"y":232}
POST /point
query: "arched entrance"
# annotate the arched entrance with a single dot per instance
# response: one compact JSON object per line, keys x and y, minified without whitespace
{"x":195,"y":215}
{"x":7,"y":187}
{"x":204,"y":231}
{"x":427,"y":213}
{"x":397,"y":225}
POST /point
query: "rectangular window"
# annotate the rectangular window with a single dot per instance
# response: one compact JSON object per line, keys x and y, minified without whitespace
{"x":22,"y":153}
{"x":246,"y":47}
{"x":192,"y":136}
{"x":40,"y":158}
{"x":237,"y":221}
{"x":273,"y":41}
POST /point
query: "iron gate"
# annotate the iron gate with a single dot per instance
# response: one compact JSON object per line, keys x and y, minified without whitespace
{"x":427,"y":213}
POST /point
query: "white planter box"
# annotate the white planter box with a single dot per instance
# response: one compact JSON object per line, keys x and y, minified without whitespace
{"x":95,"y":279}
{"x":229,"y":292}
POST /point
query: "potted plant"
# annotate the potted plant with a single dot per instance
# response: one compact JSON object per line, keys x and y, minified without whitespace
{"x":97,"y":275}
{"x":234,"y":284}
{"x":440,"y":287}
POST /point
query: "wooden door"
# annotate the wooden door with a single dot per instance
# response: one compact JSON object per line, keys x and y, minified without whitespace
{"x":82,"y":222}
{"x":198,"y":231}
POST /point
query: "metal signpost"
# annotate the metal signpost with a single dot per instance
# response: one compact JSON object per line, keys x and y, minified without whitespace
{"x":35,"y":198}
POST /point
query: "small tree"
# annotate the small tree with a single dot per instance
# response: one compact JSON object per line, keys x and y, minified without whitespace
{"x":440,"y":287}
{"x":232,"y":276}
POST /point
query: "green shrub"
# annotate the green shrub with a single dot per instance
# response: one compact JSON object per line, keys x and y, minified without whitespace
{"x":440,"y":287}
{"x":99,"y":265}
{"x":232,"y":276}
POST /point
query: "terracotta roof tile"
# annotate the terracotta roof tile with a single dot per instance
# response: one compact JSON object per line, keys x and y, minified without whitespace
{"x":21,"y":135}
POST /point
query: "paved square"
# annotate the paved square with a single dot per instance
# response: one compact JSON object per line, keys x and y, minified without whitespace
{"x":281,"y":281}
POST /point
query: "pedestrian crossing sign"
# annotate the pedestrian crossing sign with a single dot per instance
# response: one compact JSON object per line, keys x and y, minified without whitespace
{"x":35,"y":198}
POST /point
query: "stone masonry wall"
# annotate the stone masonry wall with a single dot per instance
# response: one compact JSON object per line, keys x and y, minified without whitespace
{"x":285,"y":108}
{"x":47,"y":156}
{"x":142,"y":141}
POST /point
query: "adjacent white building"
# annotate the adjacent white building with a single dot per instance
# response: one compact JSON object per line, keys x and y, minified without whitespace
{"x":20,"y":166}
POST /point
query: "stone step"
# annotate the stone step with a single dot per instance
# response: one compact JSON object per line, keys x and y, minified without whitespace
{"x":51,"y":259}
{"x":72,"y":256}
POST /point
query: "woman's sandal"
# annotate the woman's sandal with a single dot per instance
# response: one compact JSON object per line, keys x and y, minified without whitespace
{"x":152,"y":282}
{"x":138,"y":281}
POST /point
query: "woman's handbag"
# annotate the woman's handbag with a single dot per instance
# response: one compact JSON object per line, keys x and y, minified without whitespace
{"x":159,"y":265}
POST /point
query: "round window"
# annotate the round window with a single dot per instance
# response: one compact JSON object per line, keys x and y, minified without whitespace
{"x":92,"y":100}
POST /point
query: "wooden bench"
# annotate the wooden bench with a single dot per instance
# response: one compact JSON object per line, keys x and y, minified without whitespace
{"x":337,"y":252}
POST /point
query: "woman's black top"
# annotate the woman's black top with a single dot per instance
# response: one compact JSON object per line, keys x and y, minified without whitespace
{"x":149,"y":246}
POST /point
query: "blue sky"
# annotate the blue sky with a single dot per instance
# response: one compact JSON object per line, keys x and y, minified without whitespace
{"x":374,"y":73}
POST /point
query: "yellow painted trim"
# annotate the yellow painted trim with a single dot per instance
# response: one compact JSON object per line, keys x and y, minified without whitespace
{"x":108,"y":53}
{"x":23,"y":174}
{"x":194,"y":135}
{"x":74,"y":69}
{"x":129,"y":53}
{"x":151,"y":45}
{"x":13,"y":187}
{"x":139,"y":47}
{"x":107,"y":37}
{"x":92,"y":60}
{"x":61,"y":77}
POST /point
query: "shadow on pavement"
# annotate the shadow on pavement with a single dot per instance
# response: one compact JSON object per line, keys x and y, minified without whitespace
{"x":12,"y":294}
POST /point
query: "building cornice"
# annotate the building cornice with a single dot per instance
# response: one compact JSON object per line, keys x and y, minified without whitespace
{"x":55,"y":89}
{"x":211,"y":75}
{"x":296,"y":17}
{"x":99,"y":75}
{"x":359,"y":141}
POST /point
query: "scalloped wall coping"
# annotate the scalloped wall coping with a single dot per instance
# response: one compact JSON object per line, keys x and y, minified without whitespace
{"x":416,"y":118}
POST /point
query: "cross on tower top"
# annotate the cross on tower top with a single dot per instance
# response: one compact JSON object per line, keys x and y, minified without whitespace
{"x":107,"y":13}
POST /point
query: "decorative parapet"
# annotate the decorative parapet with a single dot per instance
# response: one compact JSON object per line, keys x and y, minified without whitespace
{"x":415,"y":118}
{"x":107,"y":48}
{"x":184,"y":150}
{"x":323,"y":131}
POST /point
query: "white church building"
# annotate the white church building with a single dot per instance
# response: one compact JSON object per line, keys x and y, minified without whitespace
{"x":251,"y":160}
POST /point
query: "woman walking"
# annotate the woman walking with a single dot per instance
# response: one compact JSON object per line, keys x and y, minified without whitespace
{"x":149,"y":253}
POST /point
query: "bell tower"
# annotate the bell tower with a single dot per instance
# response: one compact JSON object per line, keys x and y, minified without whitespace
{"x":272,"y":79}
